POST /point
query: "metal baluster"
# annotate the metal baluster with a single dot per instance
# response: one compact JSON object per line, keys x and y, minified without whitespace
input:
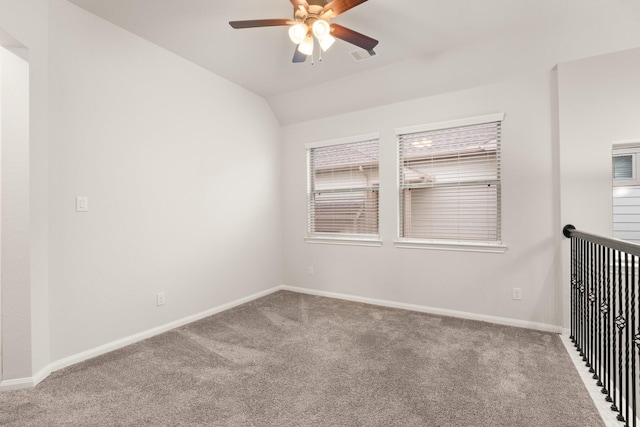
{"x":629,"y":278}
{"x":580,"y":254}
{"x":620,"y":323}
{"x":585,"y":308}
{"x":581,"y":289}
{"x":585,"y":303}
{"x":574,"y":282}
{"x":598,"y":355}
{"x":627,"y":341}
{"x":617,"y":277}
{"x":628,"y":284}
{"x":589,"y":309}
{"x":633,"y":349}
{"x":606,"y":377}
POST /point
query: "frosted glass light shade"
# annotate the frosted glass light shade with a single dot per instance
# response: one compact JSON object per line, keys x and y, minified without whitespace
{"x":321,"y":29}
{"x":326,"y":42}
{"x":306,"y":47}
{"x":298,"y":32}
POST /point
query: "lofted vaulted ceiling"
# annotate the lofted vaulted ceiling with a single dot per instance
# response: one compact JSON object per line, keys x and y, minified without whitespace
{"x":426,"y":46}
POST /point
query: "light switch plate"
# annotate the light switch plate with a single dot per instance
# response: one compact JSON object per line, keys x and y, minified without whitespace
{"x":517,"y":294}
{"x":82,"y":204}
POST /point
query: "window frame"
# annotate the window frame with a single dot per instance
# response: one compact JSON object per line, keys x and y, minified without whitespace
{"x":633,"y":168}
{"x":627,"y":148}
{"x":445,"y":244}
{"x":353,"y":239}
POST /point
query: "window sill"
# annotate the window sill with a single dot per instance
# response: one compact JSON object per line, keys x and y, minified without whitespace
{"x":343,"y":241}
{"x":452,"y":246}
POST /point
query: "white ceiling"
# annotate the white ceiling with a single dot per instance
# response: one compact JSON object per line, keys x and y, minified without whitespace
{"x":416,"y":34}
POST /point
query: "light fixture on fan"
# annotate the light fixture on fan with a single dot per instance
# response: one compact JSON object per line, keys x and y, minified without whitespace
{"x":302,"y":36}
{"x":298,"y":32}
{"x":322,"y":30}
{"x":312,"y":22}
{"x":306,"y":46}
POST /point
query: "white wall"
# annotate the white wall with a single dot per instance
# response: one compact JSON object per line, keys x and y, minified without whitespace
{"x":479,"y":283}
{"x":14,"y":225}
{"x":181,"y":169}
{"x":1,"y":34}
{"x":599,"y":104}
{"x":26,"y":322}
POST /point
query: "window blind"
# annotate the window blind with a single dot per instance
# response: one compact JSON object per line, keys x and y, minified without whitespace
{"x":343,"y":184}
{"x":626,"y":192}
{"x":449,"y":184}
{"x":626,"y":213}
{"x":623,"y":166}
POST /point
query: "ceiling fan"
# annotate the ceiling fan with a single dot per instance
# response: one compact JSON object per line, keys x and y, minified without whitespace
{"x":312,"y":19}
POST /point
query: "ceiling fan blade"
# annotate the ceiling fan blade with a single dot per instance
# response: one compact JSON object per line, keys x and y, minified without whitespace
{"x":353,"y":37}
{"x":298,"y":56}
{"x":297,"y":3}
{"x":260,"y":23}
{"x":341,"y":6}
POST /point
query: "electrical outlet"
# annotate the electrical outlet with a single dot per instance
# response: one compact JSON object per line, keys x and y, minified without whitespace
{"x":82,"y":204}
{"x":160,"y":298}
{"x":517,"y":293}
{"x":310,"y":270}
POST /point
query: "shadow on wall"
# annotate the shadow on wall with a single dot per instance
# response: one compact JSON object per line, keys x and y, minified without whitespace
{"x":13,"y":45}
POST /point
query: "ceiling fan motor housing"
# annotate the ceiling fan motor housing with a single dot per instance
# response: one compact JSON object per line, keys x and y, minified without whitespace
{"x":321,"y":3}
{"x":310,"y":14}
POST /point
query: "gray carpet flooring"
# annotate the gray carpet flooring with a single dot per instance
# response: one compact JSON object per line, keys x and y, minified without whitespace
{"x":290,"y":359}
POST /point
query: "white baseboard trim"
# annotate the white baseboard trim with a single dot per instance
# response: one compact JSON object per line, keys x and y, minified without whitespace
{"x":431,"y":310}
{"x":123,"y":342}
{"x":29,"y":382}
{"x":17,"y":384}
{"x":21,"y":383}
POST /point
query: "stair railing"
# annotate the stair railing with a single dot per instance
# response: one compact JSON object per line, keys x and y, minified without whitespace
{"x":605,"y":283}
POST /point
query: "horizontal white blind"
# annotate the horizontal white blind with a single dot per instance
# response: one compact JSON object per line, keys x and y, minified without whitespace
{"x":626,"y":213}
{"x":450,"y":183}
{"x":343,"y":189}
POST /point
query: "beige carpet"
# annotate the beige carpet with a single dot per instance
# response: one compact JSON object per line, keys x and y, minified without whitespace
{"x":297,"y":360}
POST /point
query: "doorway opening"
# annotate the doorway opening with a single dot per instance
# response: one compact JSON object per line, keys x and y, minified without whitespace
{"x":14,"y":151}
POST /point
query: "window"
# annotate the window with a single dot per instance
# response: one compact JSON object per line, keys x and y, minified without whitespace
{"x":623,"y":167}
{"x":449,"y":184}
{"x":342,"y":189}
